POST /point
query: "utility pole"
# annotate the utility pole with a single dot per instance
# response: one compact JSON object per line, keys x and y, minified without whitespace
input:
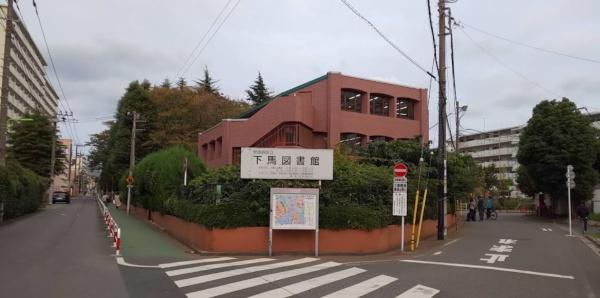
{"x":5,"y":71}
{"x":78,"y":168}
{"x":456,"y":146}
{"x":52,"y":159}
{"x":442,"y":186}
{"x":74,"y":172}
{"x":131,"y":159}
{"x":70,"y":162}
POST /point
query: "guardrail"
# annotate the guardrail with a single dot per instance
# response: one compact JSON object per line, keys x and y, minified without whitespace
{"x":114,"y":231}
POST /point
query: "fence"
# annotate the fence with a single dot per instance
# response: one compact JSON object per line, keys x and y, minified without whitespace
{"x":114,"y":231}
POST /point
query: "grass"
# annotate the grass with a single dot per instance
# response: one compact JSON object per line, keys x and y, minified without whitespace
{"x":595,"y":216}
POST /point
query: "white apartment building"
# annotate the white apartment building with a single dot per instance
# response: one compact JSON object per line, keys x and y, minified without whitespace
{"x":29,"y":88}
{"x":498,"y":147}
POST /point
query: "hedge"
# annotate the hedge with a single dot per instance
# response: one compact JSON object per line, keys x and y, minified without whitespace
{"x":21,"y":189}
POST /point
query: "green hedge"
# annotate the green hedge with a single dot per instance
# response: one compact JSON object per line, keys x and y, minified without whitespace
{"x":21,"y":189}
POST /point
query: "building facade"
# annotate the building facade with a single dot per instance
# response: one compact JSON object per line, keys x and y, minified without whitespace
{"x":321,"y":113}
{"x":28,"y":86}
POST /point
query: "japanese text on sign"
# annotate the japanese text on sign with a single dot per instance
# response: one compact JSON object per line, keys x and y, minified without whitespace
{"x":285,"y":163}
{"x":400,"y":196}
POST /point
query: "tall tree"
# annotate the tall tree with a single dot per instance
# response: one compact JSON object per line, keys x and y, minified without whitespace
{"x":181,"y":83}
{"x":207,"y":84}
{"x":258,"y":92}
{"x":166,"y":83}
{"x":30,"y":143}
{"x":557,"y":135}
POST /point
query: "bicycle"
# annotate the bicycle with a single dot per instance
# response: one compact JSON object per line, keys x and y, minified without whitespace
{"x":492,"y":214}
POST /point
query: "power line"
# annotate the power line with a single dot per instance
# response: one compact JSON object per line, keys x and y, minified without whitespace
{"x":506,"y":65}
{"x":211,"y":37}
{"x":531,"y":46}
{"x":391,"y":43}
{"x":432,"y":34}
{"x":202,"y":39}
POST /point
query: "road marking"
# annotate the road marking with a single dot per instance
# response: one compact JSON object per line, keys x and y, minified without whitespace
{"x":225,"y":274}
{"x":494,"y":258}
{"x":312,"y":283}
{"x":215,"y":266}
{"x":253,"y":282}
{"x":122,"y":262}
{"x":490,"y":268}
{"x":419,"y":291}
{"x":437,"y":253}
{"x":193,"y":262}
{"x":547,"y":229}
{"x":363,"y":288}
{"x":453,"y":241}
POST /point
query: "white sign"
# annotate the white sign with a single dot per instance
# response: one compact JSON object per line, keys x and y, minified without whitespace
{"x":286,"y":163}
{"x":400,"y":196}
{"x":294,"y":208}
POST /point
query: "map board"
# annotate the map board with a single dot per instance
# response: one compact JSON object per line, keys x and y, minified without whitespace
{"x":286,"y":163}
{"x":294,"y":208}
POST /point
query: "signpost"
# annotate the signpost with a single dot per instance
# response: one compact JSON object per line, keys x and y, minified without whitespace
{"x":570,"y":184}
{"x":400,"y":196}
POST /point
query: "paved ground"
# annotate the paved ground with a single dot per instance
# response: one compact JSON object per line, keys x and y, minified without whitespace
{"x":61,"y":251}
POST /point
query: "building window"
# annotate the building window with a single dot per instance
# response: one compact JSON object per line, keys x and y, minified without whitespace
{"x":236,"y":155}
{"x":380,"y":104}
{"x":379,"y":139}
{"x":351,"y":101}
{"x":405,"y":108}
{"x":350,"y":138}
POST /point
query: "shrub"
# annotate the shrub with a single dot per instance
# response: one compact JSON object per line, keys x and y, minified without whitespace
{"x":21,"y":190}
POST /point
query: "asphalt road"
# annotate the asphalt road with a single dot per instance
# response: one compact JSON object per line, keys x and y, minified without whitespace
{"x":61,"y":251}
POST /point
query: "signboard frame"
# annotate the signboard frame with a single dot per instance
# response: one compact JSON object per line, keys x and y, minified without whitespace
{"x":294,"y":191}
{"x":400,"y":197}
{"x":286,"y":163}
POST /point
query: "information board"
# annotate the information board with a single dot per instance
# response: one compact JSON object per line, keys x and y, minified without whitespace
{"x":400,"y":196}
{"x":294,"y":208}
{"x":286,"y":163}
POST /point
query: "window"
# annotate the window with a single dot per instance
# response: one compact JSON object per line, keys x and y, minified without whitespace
{"x":351,"y":101}
{"x":379,"y":139}
{"x":405,"y":108}
{"x":349,"y":138}
{"x":380,"y":104}
{"x":236,"y":155}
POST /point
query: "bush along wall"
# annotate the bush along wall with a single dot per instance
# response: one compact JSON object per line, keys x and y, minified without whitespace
{"x":21,"y":190}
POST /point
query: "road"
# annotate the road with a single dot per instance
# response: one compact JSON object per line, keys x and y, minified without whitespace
{"x":64,"y":252}
{"x":61,"y":251}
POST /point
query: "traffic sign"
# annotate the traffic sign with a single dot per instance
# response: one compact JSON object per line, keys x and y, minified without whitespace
{"x":399,"y":196}
{"x":571,"y":184}
{"x":129,"y":180}
{"x":400,"y":170}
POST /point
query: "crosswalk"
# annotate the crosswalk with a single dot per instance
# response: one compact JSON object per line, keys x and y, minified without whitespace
{"x":268,"y":277}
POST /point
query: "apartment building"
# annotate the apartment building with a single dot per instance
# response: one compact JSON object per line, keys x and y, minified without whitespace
{"x":29,"y":87}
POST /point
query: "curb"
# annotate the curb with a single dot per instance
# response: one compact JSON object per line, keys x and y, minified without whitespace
{"x":594,"y":240}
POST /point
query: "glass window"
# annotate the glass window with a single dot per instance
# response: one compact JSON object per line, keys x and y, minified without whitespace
{"x":379,"y":139}
{"x":380,"y":104}
{"x":351,"y":101}
{"x":405,"y":108}
{"x":350,"y":138}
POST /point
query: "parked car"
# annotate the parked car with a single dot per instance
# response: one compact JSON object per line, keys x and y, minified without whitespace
{"x":61,"y":196}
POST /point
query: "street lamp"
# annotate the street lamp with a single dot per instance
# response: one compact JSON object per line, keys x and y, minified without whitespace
{"x":458,"y":116}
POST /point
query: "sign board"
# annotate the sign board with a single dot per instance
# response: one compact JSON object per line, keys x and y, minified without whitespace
{"x":400,"y":196}
{"x":400,"y":170}
{"x":129,"y":180}
{"x":294,"y":208}
{"x":286,"y":163}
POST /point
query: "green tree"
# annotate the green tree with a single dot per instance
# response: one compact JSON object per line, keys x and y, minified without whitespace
{"x":463,"y":176}
{"x":166,"y":83}
{"x":555,"y":136}
{"x":30,"y":143}
{"x":207,"y":84}
{"x":181,"y":83}
{"x":524,"y":181}
{"x":258,"y":92}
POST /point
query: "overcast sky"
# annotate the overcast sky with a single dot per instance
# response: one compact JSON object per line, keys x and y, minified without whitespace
{"x":100,"y":46}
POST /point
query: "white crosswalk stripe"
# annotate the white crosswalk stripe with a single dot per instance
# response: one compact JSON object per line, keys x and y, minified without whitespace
{"x":307,"y":277}
{"x":215,"y":266}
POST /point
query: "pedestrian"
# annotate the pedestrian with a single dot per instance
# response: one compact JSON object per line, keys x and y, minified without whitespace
{"x":583,"y":213}
{"x":471,"y":214}
{"x":117,"y":200}
{"x":480,"y":207}
{"x":489,"y":206}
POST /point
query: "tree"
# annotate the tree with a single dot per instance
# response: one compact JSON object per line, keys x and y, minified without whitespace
{"x":166,"y":83}
{"x":30,"y":143}
{"x":463,"y":176}
{"x":558,"y":135}
{"x":207,"y":84}
{"x":524,"y":181}
{"x":181,"y":83}
{"x":258,"y":92}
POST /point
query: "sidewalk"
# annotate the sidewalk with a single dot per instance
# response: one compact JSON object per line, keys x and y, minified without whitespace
{"x":140,"y":239}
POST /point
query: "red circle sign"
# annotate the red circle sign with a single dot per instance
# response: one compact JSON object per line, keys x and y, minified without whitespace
{"x":400,"y":170}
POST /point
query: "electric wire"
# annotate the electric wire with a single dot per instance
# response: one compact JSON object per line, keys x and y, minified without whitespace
{"x":432,"y":34}
{"x":456,"y":108}
{"x":391,"y":43}
{"x":202,"y":39}
{"x":211,"y":37}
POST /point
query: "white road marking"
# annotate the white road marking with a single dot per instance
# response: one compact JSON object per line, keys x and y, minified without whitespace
{"x":437,"y":253}
{"x":363,"y":288}
{"x":215,"y":266}
{"x":493,"y":258}
{"x":225,"y":274}
{"x":193,"y":262}
{"x":122,"y":262}
{"x":253,"y":282}
{"x":453,"y":241}
{"x":490,"y":268}
{"x":312,"y":283}
{"x":501,"y":248}
{"x":419,"y":291}
{"x":549,"y":229}
{"x":507,"y":241}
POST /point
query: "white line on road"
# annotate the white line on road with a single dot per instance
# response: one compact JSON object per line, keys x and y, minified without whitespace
{"x":261,"y":280}
{"x":419,"y":291}
{"x":363,"y":288}
{"x":122,"y":262}
{"x":215,"y":266}
{"x":453,"y":241}
{"x":183,"y":263}
{"x":225,"y":274}
{"x":490,"y":268}
{"x":303,"y":286}
{"x":437,"y":253}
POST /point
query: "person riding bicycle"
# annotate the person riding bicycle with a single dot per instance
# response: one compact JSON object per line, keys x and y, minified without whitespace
{"x":489,"y":206}
{"x":583,"y":213}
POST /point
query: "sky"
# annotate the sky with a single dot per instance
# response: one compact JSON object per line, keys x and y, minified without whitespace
{"x":100,"y":46}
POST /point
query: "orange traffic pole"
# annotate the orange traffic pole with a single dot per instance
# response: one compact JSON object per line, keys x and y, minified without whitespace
{"x":421,"y":217}
{"x":414,"y":222}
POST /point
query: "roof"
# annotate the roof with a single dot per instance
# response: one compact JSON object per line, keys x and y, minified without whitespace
{"x":255,"y":109}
